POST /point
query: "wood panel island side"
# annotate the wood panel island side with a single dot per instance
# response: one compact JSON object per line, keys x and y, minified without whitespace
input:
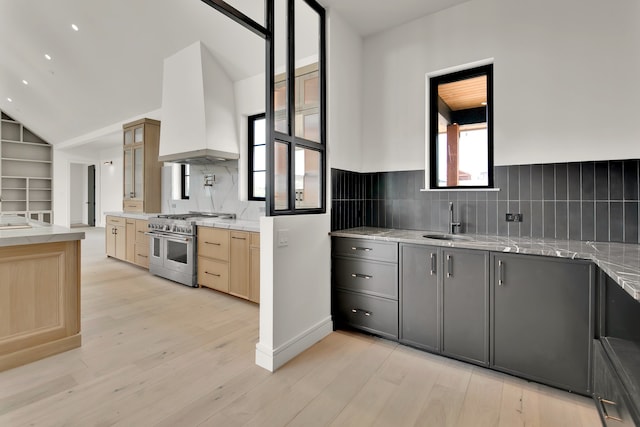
{"x":39,"y":290}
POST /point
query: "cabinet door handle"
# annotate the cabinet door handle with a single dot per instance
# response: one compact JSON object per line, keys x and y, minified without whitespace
{"x":212,"y":274}
{"x":433,"y":264}
{"x":449,"y":266}
{"x":361,"y":276}
{"x":212,"y":243}
{"x":500,"y":273}
{"x":239,"y":238}
{"x":359,"y":310}
{"x":356,"y":248}
{"x":604,"y":403}
{"x":143,"y":256}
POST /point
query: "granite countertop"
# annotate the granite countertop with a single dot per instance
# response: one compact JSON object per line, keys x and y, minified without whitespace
{"x":233,"y":224}
{"x":16,"y":230}
{"x":621,"y":261}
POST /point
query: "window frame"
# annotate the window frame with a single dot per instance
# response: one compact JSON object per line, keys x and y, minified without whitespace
{"x":250,"y":157}
{"x":448,"y":76}
{"x":185,"y":175}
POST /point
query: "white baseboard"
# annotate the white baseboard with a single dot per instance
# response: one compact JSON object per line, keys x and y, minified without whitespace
{"x":272,"y":359}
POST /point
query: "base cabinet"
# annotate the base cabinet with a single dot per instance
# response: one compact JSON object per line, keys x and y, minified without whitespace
{"x":445,"y":301}
{"x":229,"y":262}
{"x":465,"y":305}
{"x":542,"y":319}
{"x":365,"y":286}
{"x":115,"y":237}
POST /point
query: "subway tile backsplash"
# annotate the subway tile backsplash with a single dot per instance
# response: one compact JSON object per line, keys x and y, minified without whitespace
{"x":576,"y":201}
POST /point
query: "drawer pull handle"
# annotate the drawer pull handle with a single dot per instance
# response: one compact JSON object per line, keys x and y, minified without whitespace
{"x":212,"y":274}
{"x":356,"y":248}
{"x":239,"y":238}
{"x":361,"y":276}
{"x":213,"y":243}
{"x":613,"y":405}
{"x":359,"y":310}
{"x":500,"y":273}
{"x":143,"y":256}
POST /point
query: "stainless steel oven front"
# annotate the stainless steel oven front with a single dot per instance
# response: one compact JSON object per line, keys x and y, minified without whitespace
{"x":173,"y":256}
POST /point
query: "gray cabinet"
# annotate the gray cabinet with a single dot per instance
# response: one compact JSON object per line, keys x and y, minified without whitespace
{"x":465,"y":305}
{"x":365,"y":285}
{"x":445,"y":301}
{"x":542,"y":319}
{"x":420,"y":297}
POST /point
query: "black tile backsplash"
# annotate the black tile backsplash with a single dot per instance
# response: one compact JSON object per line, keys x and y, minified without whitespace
{"x":577,"y":201}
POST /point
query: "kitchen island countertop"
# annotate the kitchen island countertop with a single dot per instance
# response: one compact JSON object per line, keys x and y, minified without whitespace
{"x":16,"y":231}
{"x":621,"y":261}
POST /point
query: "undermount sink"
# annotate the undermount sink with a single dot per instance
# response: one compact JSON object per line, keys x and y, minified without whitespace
{"x":443,"y":236}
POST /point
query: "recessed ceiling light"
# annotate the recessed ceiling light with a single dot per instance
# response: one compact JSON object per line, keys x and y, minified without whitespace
{"x":9,"y":99}
{"x":24,"y":82}
{"x":75,"y":27}
{"x":46,"y":55}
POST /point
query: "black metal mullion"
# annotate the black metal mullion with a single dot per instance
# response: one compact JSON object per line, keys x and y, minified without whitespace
{"x":242,"y":19}
{"x":291,"y":101}
{"x":269,"y":113}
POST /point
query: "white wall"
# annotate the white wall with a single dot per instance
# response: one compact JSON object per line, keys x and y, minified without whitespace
{"x":295,"y":287}
{"x":63,"y":161}
{"x":109,"y":185}
{"x":564,"y":72}
{"x":344,"y":95}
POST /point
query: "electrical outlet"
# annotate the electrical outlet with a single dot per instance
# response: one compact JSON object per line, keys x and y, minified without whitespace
{"x":511,"y":217}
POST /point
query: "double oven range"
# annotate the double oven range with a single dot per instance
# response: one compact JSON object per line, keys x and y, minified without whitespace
{"x":172,"y":240}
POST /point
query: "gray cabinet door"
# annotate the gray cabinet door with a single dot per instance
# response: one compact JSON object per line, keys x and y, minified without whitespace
{"x":465,"y":305}
{"x":420,"y":307}
{"x":542,"y":321}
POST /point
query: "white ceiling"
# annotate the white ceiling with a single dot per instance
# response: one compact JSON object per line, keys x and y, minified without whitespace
{"x":111,"y":69}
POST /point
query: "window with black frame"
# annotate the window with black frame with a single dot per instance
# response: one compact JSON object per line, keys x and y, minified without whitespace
{"x":257,"y":167}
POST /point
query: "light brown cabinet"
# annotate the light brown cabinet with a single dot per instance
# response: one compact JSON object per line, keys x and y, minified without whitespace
{"x":229,"y":261}
{"x":125,"y":240}
{"x":239,"y":264}
{"x":40,"y":306}
{"x":254,"y":268}
{"x":141,"y":179}
{"x":141,"y":244}
{"x":115,"y":237}
{"x":213,"y":258}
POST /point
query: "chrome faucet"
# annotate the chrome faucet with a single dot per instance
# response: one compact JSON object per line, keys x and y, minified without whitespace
{"x":452,"y":224}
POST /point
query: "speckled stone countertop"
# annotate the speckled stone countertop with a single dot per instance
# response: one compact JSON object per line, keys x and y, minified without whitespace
{"x":620,"y":261}
{"x":36,"y":233}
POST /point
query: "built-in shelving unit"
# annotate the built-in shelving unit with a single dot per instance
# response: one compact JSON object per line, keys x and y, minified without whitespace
{"x":25,"y":172}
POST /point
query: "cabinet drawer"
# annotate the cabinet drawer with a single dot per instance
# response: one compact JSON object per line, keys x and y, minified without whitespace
{"x":372,"y":314}
{"x":132,"y":206}
{"x":213,"y":243}
{"x":608,"y":392}
{"x":213,"y":274}
{"x":142,"y":254}
{"x":115,"y":220}
{"x":365,"y":249}
{"x":371,"y":277}
{"x":142,"y":227}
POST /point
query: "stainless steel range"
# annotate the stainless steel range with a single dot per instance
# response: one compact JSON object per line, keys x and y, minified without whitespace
{"x":172,"y":240}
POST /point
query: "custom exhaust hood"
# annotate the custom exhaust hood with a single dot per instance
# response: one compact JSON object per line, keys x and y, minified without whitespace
{"x":198,"y":109}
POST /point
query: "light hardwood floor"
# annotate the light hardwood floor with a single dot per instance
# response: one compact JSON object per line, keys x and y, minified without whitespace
{"x":158,"y":353}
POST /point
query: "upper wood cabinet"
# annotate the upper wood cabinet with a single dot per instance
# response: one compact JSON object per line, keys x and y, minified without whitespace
{"x":142,"y":170}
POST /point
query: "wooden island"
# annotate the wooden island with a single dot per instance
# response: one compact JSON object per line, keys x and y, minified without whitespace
{"x":39,"y":290}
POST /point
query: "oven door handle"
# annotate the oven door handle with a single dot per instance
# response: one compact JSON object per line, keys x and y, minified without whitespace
{"x":168,"y":236}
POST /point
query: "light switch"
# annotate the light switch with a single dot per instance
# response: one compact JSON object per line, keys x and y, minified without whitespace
{"x":283,"y":238}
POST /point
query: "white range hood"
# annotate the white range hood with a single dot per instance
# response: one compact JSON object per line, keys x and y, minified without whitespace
{"x":198,"y":109}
